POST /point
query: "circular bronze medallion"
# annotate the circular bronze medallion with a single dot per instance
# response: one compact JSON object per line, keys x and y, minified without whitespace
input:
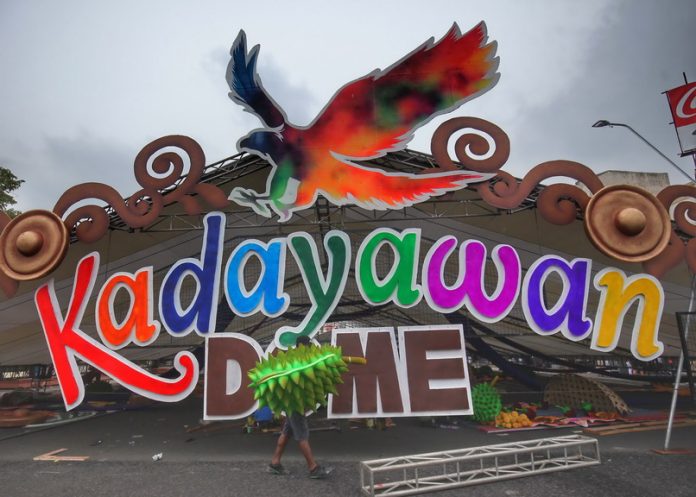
{"x":32,"y":245}
{"x":627,"y":223}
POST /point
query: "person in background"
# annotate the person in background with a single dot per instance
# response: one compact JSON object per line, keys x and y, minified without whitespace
{"x":295,"y":425}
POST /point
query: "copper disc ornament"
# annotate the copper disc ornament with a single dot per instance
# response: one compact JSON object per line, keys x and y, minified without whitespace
{"x":32,"y":245}
{"x":627,"y":223}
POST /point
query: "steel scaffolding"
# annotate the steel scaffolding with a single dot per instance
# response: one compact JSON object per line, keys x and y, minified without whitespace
{"x":421,"y":473}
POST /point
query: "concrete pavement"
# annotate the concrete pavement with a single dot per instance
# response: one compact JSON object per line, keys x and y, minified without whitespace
{"x":224,"y":461}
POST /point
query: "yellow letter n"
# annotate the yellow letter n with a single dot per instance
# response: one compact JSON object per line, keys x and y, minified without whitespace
{"x":618,"y":293}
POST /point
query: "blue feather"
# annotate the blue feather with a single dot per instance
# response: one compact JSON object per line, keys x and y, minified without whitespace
{"x":246,"y":86}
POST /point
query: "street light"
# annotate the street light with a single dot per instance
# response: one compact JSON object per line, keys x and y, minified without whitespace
{"x":668,"y":435}
{"x":603,"y":123}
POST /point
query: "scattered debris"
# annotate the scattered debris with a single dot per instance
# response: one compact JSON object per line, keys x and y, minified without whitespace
{"x":376,"y":423}
{"x":635,"y":427}
{"x":51,"y":456}
{"x":674,"y":452}
{"x":448,"y":427}
{"x":16,"y":418}
{"x":59,"y":418}
{"x":326,"y":427}
{"x":213,"y":426}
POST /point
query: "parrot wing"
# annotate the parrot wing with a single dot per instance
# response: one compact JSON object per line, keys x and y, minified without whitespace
{"x":378,"y":113}
{"x":245,"y":84}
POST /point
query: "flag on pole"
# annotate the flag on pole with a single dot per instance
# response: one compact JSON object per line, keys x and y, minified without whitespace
{"x":682,"y":103}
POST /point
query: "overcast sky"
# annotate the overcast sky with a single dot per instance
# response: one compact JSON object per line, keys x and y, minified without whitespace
{"x":85,"y":85}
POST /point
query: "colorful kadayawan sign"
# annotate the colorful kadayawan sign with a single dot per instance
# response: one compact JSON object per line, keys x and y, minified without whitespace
{"x":408,"y":371}
{"x":682,"y":103}
{"x":403,"y":377}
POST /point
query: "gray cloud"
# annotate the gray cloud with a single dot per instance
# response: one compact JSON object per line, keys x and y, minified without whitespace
{"x":295,"y":98}
{"x":300,"y":105}
{"x":128,"y":78}
{"x":638,"y":51}
{"x":62,"y":162}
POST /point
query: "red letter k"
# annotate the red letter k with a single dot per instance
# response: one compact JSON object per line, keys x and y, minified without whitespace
{"x":66,"y":340}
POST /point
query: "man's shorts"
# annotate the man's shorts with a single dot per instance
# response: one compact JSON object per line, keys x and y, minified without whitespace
{"x":296,"y":424}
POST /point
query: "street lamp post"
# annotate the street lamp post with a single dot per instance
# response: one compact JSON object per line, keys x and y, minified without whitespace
{"x":603,"y":123}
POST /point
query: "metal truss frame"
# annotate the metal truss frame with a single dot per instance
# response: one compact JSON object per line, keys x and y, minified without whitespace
{"x":422,"y":473}
{"x":324,"y":215}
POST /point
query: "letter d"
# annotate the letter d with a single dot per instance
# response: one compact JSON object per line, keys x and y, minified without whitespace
{"x":201,"y":312}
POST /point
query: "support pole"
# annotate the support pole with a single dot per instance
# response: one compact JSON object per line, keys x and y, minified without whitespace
{"x":680,"y":366}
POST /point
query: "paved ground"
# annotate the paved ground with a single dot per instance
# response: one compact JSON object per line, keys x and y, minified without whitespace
{"x":227,"y":462}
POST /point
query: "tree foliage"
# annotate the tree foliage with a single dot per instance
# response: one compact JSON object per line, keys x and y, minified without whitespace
{"x":8,"y":183}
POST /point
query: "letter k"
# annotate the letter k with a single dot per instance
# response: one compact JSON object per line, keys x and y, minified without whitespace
{"x":66,"y":342}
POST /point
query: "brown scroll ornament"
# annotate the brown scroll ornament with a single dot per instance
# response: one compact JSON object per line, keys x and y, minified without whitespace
{"x":678,"y":199}
{"x":171,"y":164}
{"x":158,"y":167}
{"x":34,"y":243}
{"x":470,"y":144}
{"x":624,"y":222}
{"x":557,"y":203}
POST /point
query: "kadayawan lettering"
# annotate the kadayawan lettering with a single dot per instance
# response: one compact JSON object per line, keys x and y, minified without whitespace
{"x":405,"y":285}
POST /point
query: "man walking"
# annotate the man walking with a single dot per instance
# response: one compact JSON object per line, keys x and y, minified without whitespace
{"x":295,"y":425}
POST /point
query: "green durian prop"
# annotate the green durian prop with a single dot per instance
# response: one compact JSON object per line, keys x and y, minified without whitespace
{"x":486,"y":400}
{"x":298,"y":379}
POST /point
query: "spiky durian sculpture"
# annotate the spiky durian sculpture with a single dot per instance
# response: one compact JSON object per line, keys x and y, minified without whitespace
{"x":298,"y":379}
{"x":486,"y":400}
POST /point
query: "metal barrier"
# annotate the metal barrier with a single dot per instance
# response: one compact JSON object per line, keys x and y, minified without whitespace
{"x":421,"y":473}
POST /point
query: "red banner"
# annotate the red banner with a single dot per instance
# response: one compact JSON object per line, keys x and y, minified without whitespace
{"x":682,"y":103}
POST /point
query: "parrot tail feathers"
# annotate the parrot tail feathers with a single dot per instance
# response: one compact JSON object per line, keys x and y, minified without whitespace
{"x":376,"y":189}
